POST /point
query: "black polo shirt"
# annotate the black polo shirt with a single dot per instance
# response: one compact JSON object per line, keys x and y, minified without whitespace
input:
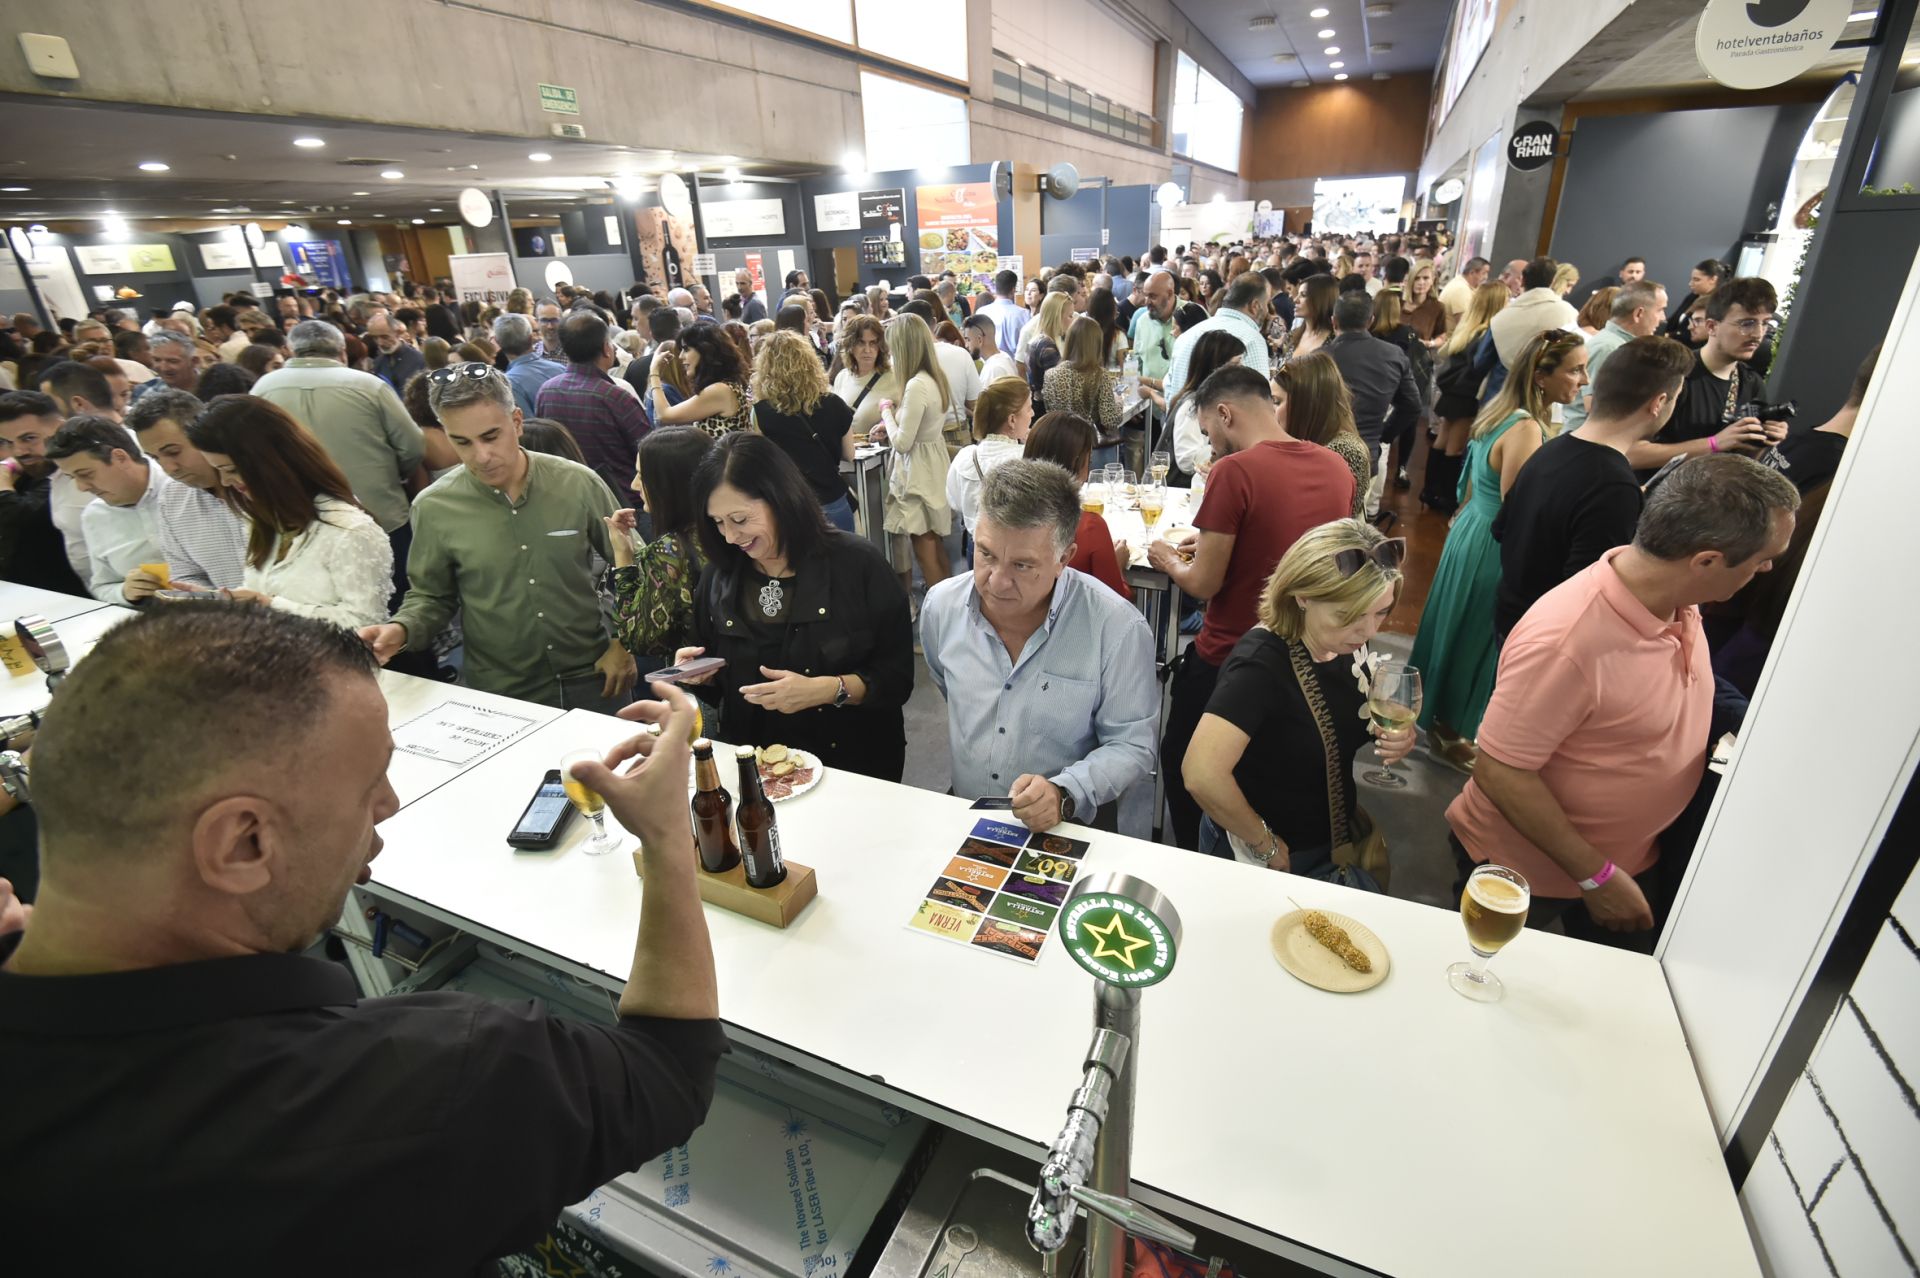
{"x":254,"y":1115}
{"x":1574,"y":501}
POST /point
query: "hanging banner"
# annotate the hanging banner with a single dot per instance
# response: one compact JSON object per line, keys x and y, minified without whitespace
{"x":481,"y":277}
{"x":960,"y":232}
{"x":1747,"y":45}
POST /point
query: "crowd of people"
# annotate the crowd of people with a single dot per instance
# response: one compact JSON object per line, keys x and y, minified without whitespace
{"x":550,"y":496}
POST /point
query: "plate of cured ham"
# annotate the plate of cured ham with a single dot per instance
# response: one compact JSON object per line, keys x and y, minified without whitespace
{"x":787,"y":773}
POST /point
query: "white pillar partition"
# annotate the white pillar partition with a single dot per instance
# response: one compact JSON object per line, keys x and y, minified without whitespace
{"x":1827,"y":750}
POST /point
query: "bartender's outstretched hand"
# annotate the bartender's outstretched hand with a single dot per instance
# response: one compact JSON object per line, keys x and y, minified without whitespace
{"x":650,"y":798}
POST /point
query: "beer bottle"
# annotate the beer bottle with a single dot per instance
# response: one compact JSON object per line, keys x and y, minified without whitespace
{"x":712,"y":813}
{"x":759,"y":830}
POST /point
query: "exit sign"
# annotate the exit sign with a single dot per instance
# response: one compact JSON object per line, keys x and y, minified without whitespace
{"x":559,"y":99}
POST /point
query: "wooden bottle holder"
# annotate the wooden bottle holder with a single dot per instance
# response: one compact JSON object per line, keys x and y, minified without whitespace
{"x":779,"y":905}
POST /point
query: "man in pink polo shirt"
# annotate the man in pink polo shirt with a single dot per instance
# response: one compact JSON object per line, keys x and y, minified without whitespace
{"x":1597,"y":733}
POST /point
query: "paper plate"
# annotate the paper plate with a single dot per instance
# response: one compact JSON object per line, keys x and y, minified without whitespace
{"x":1319,"y":966}
{"x":804,"y":759}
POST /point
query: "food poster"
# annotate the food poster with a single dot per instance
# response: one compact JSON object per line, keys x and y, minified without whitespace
{"x":960,"y":232}
{"x":1001,"y":889}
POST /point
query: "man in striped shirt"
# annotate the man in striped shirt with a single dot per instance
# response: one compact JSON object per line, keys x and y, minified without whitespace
{"x":606,"y":419}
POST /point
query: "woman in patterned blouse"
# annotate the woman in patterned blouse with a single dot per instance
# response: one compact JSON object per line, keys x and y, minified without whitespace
{"x":653,"y":583}
{"x":719,"y":404}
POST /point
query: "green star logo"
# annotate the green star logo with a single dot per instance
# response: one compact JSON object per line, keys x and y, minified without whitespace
{"x":1117,"y":939}
{"x":1114,"y":935}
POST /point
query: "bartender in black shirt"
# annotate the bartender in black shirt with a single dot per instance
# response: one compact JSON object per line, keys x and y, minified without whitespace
{"x":1708,"y":418}
{"x":186,"y":1090}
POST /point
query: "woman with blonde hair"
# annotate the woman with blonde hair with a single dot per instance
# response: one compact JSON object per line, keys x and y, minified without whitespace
{"x":1002,"y":415}
{"x":1465,"y":359}
{"x":1080,"y":382}
{"x":1286,"y":718}
{"x":1565,"y":277}
{"x":1056,"y":314}
{"x":917,"y":485}
{"x":795,"y":408}
{"x":1455,"y":649}
{"x":1315,"y":406}
{"x":1420,"y":306}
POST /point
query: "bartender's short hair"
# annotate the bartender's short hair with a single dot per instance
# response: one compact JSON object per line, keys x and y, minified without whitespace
{"x":1019,"y":494}
{"x":203,"y":687}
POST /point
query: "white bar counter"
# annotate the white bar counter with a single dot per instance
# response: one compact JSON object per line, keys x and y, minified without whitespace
{"x":1404,"y":1130}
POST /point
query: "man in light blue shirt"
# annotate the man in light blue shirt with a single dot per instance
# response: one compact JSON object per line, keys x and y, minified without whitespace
{"x":1008,"y":316}
{"x":1244,"y":314}
{"x":1048,"y":674}
{"x":1638,"y":310}
{"x":527,"y":370}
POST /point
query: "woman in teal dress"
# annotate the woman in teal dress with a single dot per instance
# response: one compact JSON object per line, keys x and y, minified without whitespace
{"x":1455,"y":651}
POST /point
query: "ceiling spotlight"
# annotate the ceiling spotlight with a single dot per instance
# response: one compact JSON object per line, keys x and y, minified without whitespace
{"x":1332,"y":49}
{"x":854,"y":162}
{"x":1325,"y":33}
{"x":1336,"y":65}
{"x":436,"y":210}
{"x":113,"y":225}
{"x":309,"y":143}
{"x":1341,"y":76}
{"x":12,"y":189}
{"x":1262,"y":23}
{"x":363,"y":192}
{"x":220,"y":210}
{"x":731,"y":175}
{"x":392,"y":175}
{"x":345,"y":221}
{"x":419,"y":221}
{"x":153,"y":166}
{"x":1317,"y":13}
{"x":539,"y":157}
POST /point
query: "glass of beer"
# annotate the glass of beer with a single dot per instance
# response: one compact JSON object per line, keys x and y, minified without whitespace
{"x":1494,"y":908}
{"x":1093,"y":497}
{"x":588,"y":801}
{"x":1159,"y":465}
{"x":1393,"y":703}
{"x":1153,"y":504}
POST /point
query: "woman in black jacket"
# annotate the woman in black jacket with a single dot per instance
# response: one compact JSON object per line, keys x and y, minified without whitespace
{"x":812,"y":621}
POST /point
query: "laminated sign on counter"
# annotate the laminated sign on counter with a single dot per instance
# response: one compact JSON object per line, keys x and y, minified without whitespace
{"x":1001,"y":889}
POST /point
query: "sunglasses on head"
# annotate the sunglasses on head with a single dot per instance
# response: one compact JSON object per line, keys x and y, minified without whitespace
{"x":1387,"y":557}
{"x":472,"y":370}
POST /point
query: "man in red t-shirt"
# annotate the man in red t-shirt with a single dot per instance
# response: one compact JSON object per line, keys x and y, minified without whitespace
{"x":1265,"y":490}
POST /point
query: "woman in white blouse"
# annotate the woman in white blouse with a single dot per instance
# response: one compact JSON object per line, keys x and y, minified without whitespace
{"x":1001,"y":418}
{"x":311,"y":549}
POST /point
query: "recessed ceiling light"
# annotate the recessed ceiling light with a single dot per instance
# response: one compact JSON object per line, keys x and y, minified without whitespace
{"x":153,"y":166}
{"x":731,"y":175}
{"x":15,"y":188}
{"x":419,"y":221}
{"x":1332,"y":49}
{"x":345,"y":221}
{"x":392,"y":175}
{"x":220,"y":210}
{"x":1336,"y":65}
{"x":539,"y":157}
{"x":1317,"y":13}
{"x":1326,"y":33}
{"x":1341,"y":76}
{"x":363,"y":192}
{"x":436,"y":210}
{"x":309,"y":143}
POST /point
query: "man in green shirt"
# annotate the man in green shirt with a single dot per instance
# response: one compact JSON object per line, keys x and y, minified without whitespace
{"x":1151,"y":337}
{"x":509,"y":540}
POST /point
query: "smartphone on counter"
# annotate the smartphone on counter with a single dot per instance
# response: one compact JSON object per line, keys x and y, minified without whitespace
{"x":546,"y":815}
{"x":689,"y":670}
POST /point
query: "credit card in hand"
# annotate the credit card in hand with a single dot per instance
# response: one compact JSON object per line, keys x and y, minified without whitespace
{"x":992,"y":804}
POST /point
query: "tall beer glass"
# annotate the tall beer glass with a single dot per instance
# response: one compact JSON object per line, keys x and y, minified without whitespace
{"x":1494,"y":908}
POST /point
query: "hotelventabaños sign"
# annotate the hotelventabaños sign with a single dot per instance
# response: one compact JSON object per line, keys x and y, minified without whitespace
{"x":1755,"y":44}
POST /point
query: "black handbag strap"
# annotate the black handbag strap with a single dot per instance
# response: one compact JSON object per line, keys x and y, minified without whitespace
{"x":855,"y":406}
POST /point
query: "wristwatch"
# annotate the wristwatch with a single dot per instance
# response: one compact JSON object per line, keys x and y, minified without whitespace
{"x":840,"y":697}
{"x":1066,"y":802}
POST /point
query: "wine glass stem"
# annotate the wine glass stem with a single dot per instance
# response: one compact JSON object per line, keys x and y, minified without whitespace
{"x":599,"y":827}
{"x":1480,"y":965}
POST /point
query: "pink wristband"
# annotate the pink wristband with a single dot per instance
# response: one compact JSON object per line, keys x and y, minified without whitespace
{"x":1599,"y":878}
{"x":1713,"y":443}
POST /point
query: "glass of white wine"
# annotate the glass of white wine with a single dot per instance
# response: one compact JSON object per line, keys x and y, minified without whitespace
{"x":1153,"y":504}
{"x":1494,"y":909}
{"x":1393,"y":703}
{"x":588,"y":801}
{"x":1159,"y":465}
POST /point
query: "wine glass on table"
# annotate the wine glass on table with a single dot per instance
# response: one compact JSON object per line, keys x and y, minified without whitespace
{"x":588,"y":801}
{"x":1494,"y":909}
{"x":1393,"y":703}
{"x":1153,"y":504}
{"x":1160,"y":465}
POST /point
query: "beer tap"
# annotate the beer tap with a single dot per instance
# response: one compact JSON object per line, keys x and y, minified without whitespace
{"x":42,"y":642}
{"x":13,"y":776}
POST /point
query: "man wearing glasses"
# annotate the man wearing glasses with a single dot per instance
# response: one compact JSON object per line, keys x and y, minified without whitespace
{"x":1150,"y":333}
{"x":1712,"y":416}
